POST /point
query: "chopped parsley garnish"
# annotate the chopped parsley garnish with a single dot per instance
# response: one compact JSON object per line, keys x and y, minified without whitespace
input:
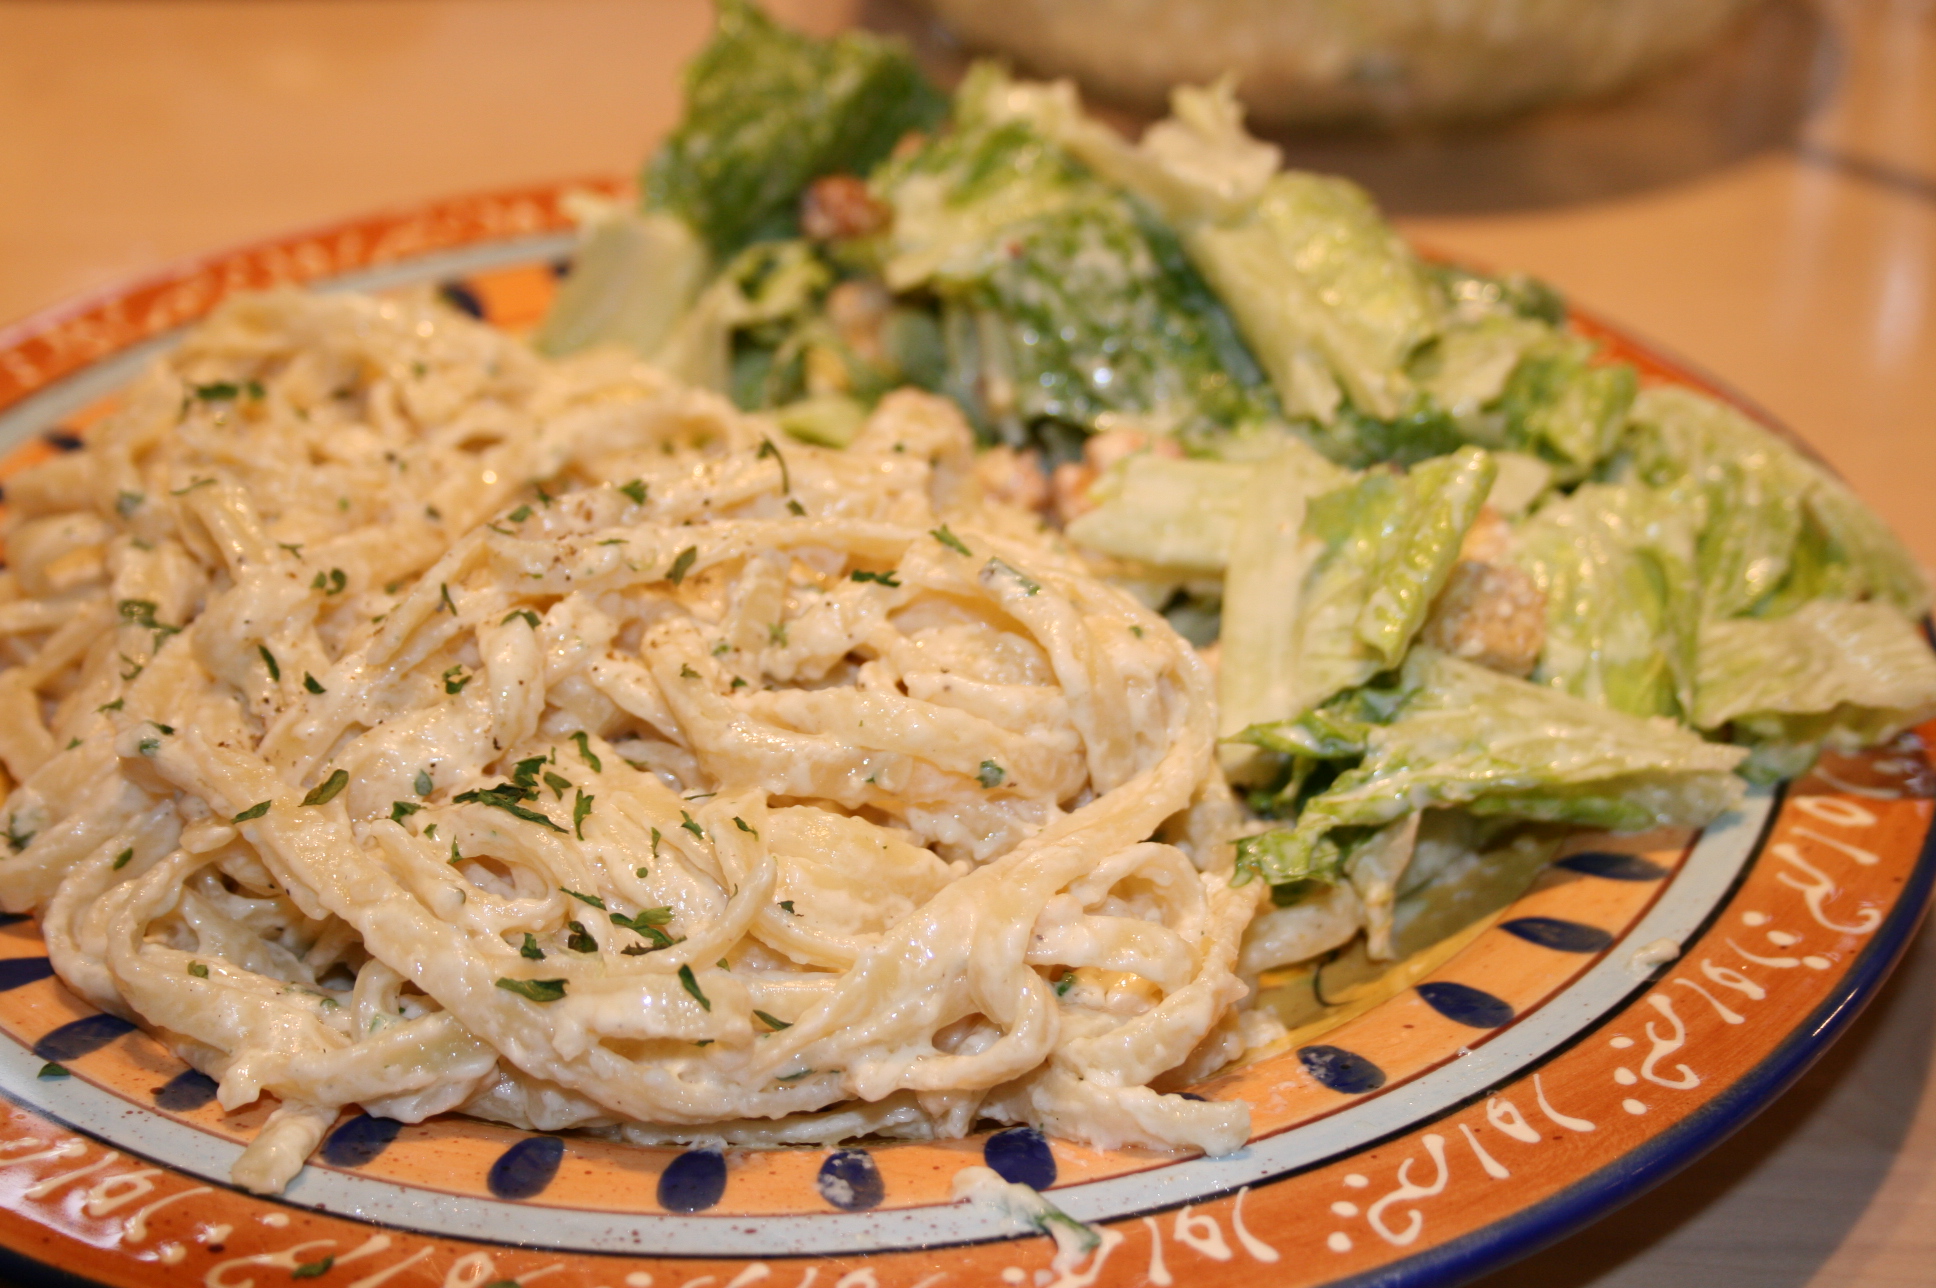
{"x":686,"y":672}
{"x":591,"y":899}
{"x":1063,"y":985}
{"x":796,"y":509}
{"x":531,"y":949}
{"x":311,"y":1269}
{"x":18,"y":841}
{"x":951,"y":541}
{"x":585,"y":752}
{"x":508,"y":797}
{"x":691,"y":826}
{"x":198,"y":970}
{"x":423,"y":783}
{"x":256,"y":810}
{"x":328,"y":790}
{"x":741,"y":824}
{"x":777,"y":634}
{"x":126,"y":503}
{"x":883,"y":578}
{"x":580,"y":810}
{"x":773,"y":1022}
{"x":991,"y":774}
{"x":536,"y":990}
{"x":122,"y":859}
{"x":443,"y":593}
{"x":331,"y":582}
{"x":682,"y":564}
{"x":192,"y":485}
{"x":788,"y":905}
{"x":580,"y":940}
{"x":635,"y":489}
{"x":141,"y":612}
{"x":793,"y":1077}
{"x":520,"y":514}
{"x":400,"y":810}
{"x":767,"y":449}
{"x":311,"y":683}
{"x":110,"y":706}
{"x":455,"y":679}
{"x":52,"y":1070}
{"x":530,"y":618}
{"x":691,"y":984}
{"x":269,"y":660}
{"x":1029,"y":585}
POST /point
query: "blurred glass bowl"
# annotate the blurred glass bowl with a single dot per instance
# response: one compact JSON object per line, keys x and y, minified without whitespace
{"x":1330,"y":62}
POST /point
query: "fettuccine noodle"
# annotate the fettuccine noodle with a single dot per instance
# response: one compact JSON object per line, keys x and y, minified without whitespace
{"x":401,"y":720}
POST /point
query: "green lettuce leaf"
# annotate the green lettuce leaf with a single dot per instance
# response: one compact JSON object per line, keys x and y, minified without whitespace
{"x":1323,"y":594}
{"x":1832,"y":674}
{"x":1330,"y":298}
{"x":1183,"y":514}
{"x":1066,"y":300}
{"x":1463,"y":735}
{"x":1616,"y":565}
{"x":1776,"y":529}
{"x":1563,"y":407}
{"x":768,"y":111}
{"x":633,"y":276}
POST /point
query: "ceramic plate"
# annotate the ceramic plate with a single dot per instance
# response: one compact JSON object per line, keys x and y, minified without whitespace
{"x":1643,"y":998}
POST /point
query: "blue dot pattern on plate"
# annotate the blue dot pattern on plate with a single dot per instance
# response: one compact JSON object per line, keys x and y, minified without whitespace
{"x":523,"y":1171}
{"x":694,"y":1181}
{"x":82,"y":1036}
{"x":18,"y":972}
{"x":362,"y":1138}
{"x":189,"y":1089}
{"x":1613,"y":865}
{"x":1021,"y":1155}
{"x":1341,"y":1070}
{"x":1560,"y":936}
{"x":462,"y":298}
{"x":1464,"y":1004}
{"x":849,"y":1179}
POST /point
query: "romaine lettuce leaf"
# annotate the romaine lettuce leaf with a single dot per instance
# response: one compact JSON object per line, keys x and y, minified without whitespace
{"x":1466,"y":370}
{"x":1563,"y":407}
{"x":1471,"y":296}
{"x":1463,"y":735}
{"x":1832,"y":674}
{"x":1776,"y":529}
{"x":769,"y":110}
{"x":1069,"y":301}
{"x":1183,"y":514}
{"x":1323,"y":594}
{"x":1616,"y":565}
{"x":1329,"y":297}
{"x":633,"y":276}
{"x":1389,"y":542}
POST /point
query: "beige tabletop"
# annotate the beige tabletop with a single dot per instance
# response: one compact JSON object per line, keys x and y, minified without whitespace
{"x":1767,"y":212}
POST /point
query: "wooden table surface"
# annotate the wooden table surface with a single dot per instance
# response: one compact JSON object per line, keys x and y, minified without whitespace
{"x":1768,"y":212}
